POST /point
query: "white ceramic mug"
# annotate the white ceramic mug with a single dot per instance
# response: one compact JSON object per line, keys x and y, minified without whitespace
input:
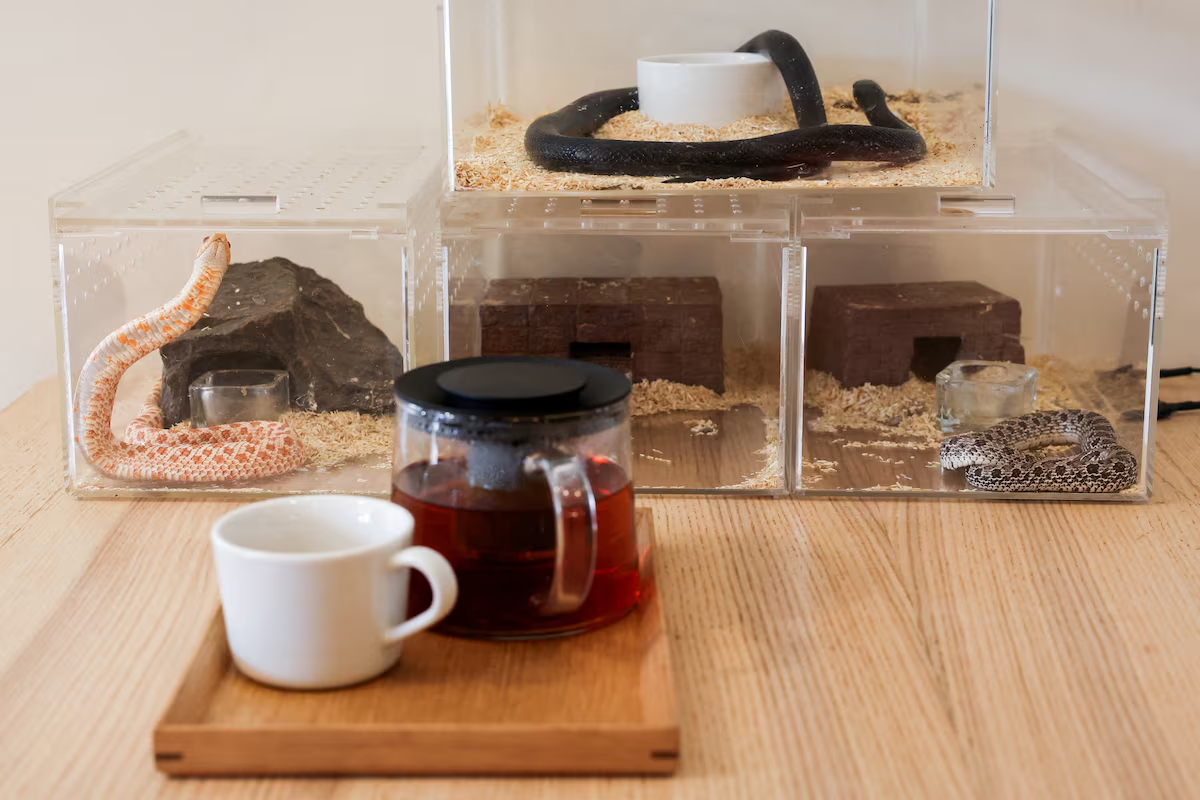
{"x":314,"y":589}
{"x":712,"y":89}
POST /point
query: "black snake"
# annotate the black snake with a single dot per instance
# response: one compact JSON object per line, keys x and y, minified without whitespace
{"x":995,"y":461}
{"x":562,"y":141}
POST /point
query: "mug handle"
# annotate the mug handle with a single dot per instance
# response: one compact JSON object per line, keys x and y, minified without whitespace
{"x":437,"y":570}
{"x":574,"y":530}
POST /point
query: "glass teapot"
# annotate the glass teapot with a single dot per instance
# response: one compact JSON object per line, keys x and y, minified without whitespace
{"x":517,"y":470}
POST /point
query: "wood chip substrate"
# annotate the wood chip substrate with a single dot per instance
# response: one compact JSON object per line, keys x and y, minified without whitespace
{"x":909,"y":411}
{"x":336,"y":437}
{"x":333,"y":438}
{"x":751,"y":379}
{"x":952,"y":125}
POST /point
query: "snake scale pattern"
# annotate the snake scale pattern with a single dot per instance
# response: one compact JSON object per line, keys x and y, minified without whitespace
{"x":995,"y":459}
{"x":235,"y":451}
{"x":562,"y":141}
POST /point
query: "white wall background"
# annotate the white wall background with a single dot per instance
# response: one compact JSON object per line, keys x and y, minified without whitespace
{"x":83,"y":84}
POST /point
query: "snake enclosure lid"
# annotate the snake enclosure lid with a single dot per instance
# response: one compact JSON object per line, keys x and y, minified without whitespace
{"x":598,"y":703}
{"x":510,"y":62}
{"x":368,"y":181}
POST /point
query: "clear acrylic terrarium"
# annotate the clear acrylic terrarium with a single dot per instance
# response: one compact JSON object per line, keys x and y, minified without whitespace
{"x":325,"y":240}
{"x":508,"y":62}
{"x":1061,"y":268}
{"x":695,"y":298}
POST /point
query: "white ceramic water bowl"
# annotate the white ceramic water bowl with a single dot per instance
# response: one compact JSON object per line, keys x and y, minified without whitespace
{"x":711,"y":89}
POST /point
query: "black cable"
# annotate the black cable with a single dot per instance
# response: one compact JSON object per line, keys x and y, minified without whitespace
{"x":1171,"y":408}
{"x":1165,"y":409}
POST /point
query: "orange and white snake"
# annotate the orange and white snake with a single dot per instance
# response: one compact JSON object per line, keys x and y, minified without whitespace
{"x":230,"y":452}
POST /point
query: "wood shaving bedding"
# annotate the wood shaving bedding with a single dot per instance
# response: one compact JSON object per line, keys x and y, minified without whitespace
{"x":909,"y":410}
{"x":335,"y":437}
{"x":951,"y":124}
{"x":882,"y":459}
{"x":752,"y":379}
{"x":887,"y":443}
{"x":895,"y":487}
{"x":771,"y":473}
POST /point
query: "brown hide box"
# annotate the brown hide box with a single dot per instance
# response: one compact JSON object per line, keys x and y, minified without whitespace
{"x":878,"y":333}
{"x":648,"y":328}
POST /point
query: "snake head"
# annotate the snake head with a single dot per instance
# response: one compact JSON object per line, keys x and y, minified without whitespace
{"x":870,"y":96}
{"x":214,"y":252}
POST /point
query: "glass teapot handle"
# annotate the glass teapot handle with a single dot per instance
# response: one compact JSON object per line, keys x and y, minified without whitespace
{"x":574,"y":529}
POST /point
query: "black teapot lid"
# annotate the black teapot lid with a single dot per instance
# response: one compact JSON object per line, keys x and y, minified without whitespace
{"x":506,"y":387}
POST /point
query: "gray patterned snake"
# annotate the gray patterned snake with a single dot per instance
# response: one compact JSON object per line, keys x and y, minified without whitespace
{"x":996,"y":460}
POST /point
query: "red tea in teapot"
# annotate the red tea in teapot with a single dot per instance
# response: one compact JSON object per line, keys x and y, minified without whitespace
{"x":501,"y":544}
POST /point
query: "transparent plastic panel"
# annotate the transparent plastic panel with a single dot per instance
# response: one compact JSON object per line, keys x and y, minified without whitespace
{"x":112,"y":277}
{"x":686,"y":296}
{"x":319,"y":284}
{"x":259,"y":180}
{"x":511,"y":61}
{"x":887,"y":311}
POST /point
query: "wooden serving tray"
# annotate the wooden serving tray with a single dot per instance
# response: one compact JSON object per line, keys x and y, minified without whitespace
{"x":598,"y":703}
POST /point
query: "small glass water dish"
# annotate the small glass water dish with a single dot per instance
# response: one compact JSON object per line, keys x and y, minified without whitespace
{"x":973,"y":395}
{"x":238,"y":395}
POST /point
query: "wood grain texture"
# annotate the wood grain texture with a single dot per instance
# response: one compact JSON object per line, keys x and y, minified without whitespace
{"x":596,"y":704}
{"x":821,"y":648}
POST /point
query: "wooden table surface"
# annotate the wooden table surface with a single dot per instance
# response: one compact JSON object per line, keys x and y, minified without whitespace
{"x":822,"y":648}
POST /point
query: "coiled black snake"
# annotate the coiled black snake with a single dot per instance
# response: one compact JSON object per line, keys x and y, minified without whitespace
{"x":562,"y":141}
